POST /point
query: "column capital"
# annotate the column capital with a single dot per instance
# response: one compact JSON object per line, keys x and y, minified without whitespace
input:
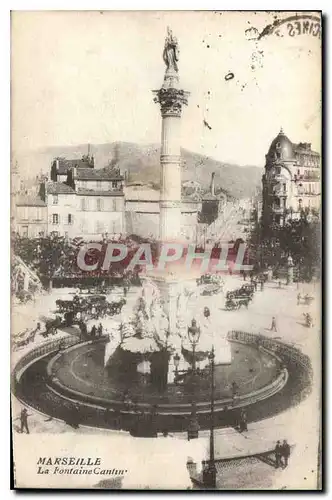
{"x":171,"y":101}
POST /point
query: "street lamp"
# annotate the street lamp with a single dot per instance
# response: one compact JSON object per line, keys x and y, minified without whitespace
{"x":210,"y":473}
{"x":194,"y":334}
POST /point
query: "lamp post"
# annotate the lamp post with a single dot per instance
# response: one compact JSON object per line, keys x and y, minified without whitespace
{"x":210,"y":473}
{"x":194,"y":333}
{"x":176,"y":360}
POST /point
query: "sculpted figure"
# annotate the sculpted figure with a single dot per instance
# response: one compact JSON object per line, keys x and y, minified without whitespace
{"x":171,"y":52}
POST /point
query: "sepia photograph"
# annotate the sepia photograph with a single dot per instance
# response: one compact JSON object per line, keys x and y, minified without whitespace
{"x":166,"y":309}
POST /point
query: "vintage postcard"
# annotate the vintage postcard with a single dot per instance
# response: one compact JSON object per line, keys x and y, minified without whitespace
{"x":166,"y":250}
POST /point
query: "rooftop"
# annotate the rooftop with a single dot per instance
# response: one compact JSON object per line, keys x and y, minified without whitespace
{"x":59,"y":188}
{"x":30,"y":201}
{"x":105,"y":174}
{"x":64,"y":165}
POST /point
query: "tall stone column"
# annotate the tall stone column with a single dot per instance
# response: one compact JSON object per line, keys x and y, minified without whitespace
{"x":171,"y":99}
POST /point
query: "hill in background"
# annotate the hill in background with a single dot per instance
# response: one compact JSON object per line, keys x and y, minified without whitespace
{"x":142,"y":164}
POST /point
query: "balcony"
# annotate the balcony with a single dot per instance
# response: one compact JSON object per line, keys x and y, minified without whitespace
{"x":311,"y":176}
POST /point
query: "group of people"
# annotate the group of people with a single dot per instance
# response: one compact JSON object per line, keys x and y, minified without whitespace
{"x":96,"y":331}
{"x":254,"y":280}
{"x":282,"y":454}
{"x":306,"y":298}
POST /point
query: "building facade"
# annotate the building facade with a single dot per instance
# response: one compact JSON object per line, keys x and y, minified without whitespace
{"x":142,"y":212}
{"x":30,"y":219}
{"x":84,"y":201}
{"x":291,"y":182}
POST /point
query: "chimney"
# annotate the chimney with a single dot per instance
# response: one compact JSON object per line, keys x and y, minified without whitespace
{"x":212,"y":183}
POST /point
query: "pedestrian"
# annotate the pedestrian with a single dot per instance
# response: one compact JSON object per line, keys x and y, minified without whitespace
{"x":279,"y":284}
{"x":285,"y":452}
{"x":100,"y":330}
{"x":207,"y":312}
{"x":244,"y":276}
{"x":278,"y":452}
{"x":274,"y":324}
{"x":93,"y":331}
{"x":75,"y":416}
{"x":262,"y":285}
{"x":298,"y":299}
{"x":255,"y":285}
{"x":24,"y":420}
{"x":243,"y":421}
{"x":234,"y":389}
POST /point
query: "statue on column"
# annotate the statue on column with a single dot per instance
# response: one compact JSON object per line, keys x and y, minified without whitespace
{"x":171,"y":52}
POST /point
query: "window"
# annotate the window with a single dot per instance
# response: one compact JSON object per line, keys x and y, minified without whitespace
{"x":55,"y":199}
{"x":55,"y":218}
{"x":99,"y":227}
{"x":114,"y":184}
{"x":99,"y":204}
{"x":113,"y":205}
{"x":284,"y":185}
{"x":70,"y":218}
{"x":278,"y":145}
{"x":38,"y":214}
{"x":84,"y":184}
{"x":25,"y":231}
{"x":98,"y":184}
{"x":83,"y":204}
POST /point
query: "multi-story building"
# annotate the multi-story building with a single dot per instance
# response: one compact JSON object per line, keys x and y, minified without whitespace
{"x":30,"y":220}
{"x":83,"y":201}
{"x":291,"y":182}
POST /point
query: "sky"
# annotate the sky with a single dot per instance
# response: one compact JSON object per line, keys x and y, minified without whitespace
{"x":86,"y":77}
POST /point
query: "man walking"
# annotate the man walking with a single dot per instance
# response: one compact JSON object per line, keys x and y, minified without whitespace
{"x":274,"y":324}
{"x":285,"y":452}
{"x":24,"y":420}
{"x":277,"y":452}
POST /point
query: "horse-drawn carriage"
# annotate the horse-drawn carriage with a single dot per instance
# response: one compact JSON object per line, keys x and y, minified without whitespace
{"x":95,"y":306}
{"x":64,"y":305}
{"x":235,"y":299}
{"x":243,"y":292}
{"x":51,"y":326}
{"x":98,"y":307}
{"x":237,"y":302}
